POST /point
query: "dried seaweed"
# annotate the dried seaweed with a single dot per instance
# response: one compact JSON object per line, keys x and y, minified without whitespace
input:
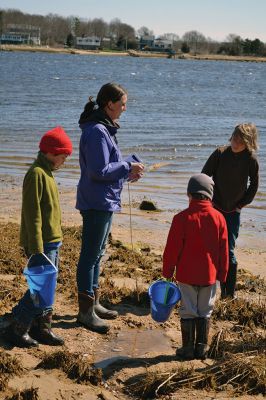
{"x":236,"y":340}
{"x":9,"y":365}
{"x":241,"y":311}
{"x":27,"y":394}
{"x":245,"y":373}
{"x":74,"y":365}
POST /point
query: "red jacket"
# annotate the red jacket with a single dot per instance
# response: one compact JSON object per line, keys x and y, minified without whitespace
{"x":197,"y":245}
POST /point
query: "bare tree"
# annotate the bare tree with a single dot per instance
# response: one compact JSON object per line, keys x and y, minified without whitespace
{"x":144,"y":31}
{"x":195,"y":40}
{"x":98,"y":27}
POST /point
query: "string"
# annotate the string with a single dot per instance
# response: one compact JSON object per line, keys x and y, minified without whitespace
{"x":130,"y":217}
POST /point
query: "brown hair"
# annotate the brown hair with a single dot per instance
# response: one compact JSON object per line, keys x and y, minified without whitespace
{"x":249,"y":134}
{"x":108,"y":92}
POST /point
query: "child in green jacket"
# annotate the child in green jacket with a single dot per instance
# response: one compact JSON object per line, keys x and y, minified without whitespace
{"x":40,"y":234}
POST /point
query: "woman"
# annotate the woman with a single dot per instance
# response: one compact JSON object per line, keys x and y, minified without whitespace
{"x":103,"y":172}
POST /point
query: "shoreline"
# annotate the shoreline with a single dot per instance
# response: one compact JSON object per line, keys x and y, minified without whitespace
{"x":140,"y":54}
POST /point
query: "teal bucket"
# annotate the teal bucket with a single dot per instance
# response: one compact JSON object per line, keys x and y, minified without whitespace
{"x":41,"y":275}
{"x":164,"y":296}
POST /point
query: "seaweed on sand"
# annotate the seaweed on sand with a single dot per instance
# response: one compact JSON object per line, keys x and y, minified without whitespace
{"x":27,"y":394}
{"x":241,"y":312}
{"x":239,"y":339}
{"x":245,"y":373}
{"x":113,"y":294}
{"x":74,"y":365}
{"x":9,"y":367}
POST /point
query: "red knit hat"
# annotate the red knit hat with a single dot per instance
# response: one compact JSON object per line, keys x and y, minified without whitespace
{"x":56,"y":142}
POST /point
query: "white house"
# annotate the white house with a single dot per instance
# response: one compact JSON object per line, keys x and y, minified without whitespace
{"x":21,"y":34}
{"x":162,"y":44}
{"x":88,"y":42}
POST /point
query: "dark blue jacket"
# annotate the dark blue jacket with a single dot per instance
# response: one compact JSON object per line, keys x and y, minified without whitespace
{"x":103,"y":170}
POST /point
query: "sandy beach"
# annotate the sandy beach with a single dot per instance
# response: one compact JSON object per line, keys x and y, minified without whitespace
{"x":138,"y":354}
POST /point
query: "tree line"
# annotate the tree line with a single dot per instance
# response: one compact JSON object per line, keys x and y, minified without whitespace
{"x":58,"y":31}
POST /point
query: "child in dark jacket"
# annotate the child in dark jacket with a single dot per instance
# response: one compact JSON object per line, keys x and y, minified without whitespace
{"x":197,"y":251}
{"x":40,"y":233}
{"x":235,"y":171}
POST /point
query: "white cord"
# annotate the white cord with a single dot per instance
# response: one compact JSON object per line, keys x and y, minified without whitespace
{"x":130,"y":216}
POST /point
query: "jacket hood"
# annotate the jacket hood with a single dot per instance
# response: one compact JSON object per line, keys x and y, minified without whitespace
{"x":100,"y":117}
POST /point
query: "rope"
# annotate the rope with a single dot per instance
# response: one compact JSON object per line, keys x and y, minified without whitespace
{"x":130,"y":217}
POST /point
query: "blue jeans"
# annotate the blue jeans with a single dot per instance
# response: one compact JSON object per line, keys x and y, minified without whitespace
{"x":95,"y":231}
{"x":25,"y":311}
{"x":233,"y":223}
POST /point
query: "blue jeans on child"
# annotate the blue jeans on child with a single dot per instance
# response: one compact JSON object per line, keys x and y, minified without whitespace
{"x":25,"y":310}
{"x":95,"y":231}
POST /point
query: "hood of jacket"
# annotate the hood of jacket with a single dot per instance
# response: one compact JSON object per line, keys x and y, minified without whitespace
{"x":99,"y":116}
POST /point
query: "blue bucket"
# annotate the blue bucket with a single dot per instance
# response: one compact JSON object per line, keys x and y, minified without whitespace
{"x":163,"y":296}
{"x":41,"y":275}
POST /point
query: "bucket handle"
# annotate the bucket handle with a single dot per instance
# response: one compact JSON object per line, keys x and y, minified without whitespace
{"x":168,"y":280}
{"x":47,"y":258}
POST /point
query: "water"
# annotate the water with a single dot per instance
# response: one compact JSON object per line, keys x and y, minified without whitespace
{"x":133,"y":344}
{"x":178,"y":112}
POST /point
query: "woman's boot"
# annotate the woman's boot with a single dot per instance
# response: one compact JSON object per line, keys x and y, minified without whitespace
{"x":17,"y":333}
{"x":87,"y":315}
{"x":188,"y":338}
{"x":202,"y":333}
{"x":41,"y":329}
{"x":101,"y":311}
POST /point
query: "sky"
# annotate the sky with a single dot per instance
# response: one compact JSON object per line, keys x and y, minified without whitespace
{"x":215,"y":19}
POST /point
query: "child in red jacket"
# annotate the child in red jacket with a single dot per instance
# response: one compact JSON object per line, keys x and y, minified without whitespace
{"x":197,"y":249}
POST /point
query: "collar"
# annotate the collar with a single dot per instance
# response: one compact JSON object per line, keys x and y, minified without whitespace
{"x":200,"y":204}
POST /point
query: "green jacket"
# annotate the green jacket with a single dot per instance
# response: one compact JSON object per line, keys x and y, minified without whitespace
{"x":41,"y":214}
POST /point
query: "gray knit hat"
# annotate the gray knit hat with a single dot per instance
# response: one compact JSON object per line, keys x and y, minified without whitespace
{"x":202,"y":184}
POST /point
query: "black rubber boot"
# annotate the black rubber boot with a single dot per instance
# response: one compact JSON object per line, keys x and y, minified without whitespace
{"x":231,"y":280}
{"x":41,"y":329}
{"x":87,"y":315}
{"x":101,"y":311}
{"x":188,"y":338}
{"x":17,"y":333}
{"x":202,"y":334}
{"x":228,"y":288}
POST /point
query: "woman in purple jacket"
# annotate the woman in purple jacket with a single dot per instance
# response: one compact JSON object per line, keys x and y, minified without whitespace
{"x":103,"y":172}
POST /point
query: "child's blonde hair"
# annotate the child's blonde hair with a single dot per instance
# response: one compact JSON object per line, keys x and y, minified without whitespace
{"x":249,"y":134}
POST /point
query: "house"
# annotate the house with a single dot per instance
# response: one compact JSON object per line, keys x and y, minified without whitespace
{"x":21,"y":34}
{"x":88,"y":42}
{"x":163,"y":44}
{"x":146,"y":42}
{"x":151,"y":43}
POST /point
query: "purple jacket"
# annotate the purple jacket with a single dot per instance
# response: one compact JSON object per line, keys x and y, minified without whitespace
{"x":103,"y":170}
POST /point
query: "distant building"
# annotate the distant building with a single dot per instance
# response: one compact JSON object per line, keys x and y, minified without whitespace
{"x":88,"y":42}
{"x":163,"y":44}
{"x":151,"y":43}
{"x":146,"y":42}
{"x":21,"y":34}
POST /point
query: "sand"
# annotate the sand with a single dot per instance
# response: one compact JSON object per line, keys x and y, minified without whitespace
{"x":136,"y":345}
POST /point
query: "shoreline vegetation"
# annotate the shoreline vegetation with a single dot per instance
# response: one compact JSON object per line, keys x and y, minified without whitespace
{"x":133,"y":53}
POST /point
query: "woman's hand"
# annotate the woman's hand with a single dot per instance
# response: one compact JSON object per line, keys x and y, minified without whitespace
{"x":137,"y":171}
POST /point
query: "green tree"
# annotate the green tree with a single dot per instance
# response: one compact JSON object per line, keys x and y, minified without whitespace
{"x":70,"y":40}
{"x":185,"y":48}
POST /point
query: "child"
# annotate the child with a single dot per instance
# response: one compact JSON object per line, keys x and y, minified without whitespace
{"x":40,"y":232}
{"x":235,"y":172}
{"x":197,"y":249}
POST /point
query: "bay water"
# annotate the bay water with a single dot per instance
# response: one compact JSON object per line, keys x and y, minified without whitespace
{"x":178,"y":112}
